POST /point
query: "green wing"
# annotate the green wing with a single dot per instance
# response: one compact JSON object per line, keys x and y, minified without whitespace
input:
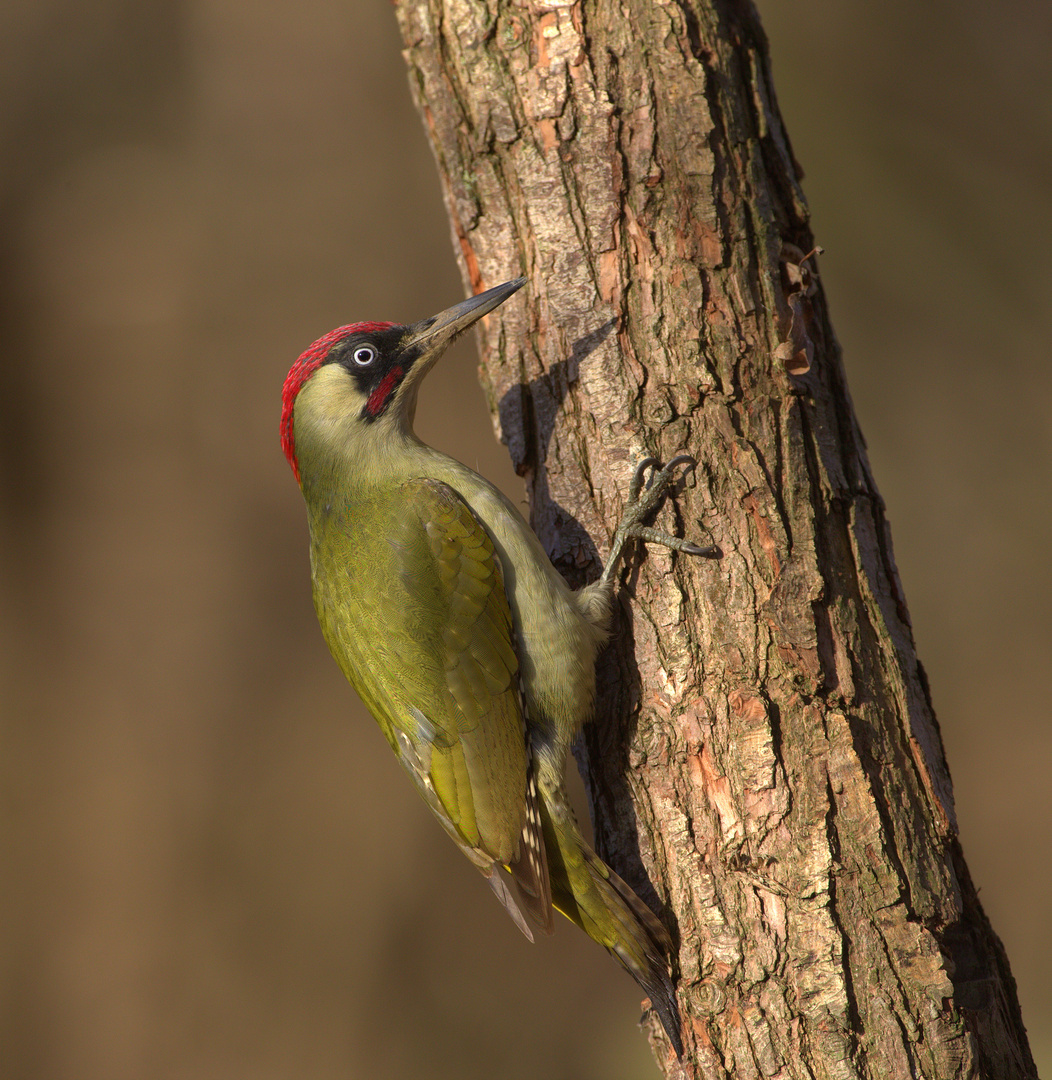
{"x":417,"y":616}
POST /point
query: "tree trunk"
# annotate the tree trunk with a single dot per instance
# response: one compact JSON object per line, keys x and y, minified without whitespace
{"x":765,"y":766}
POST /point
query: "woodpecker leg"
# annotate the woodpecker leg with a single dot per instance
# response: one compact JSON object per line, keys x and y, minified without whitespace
{"x":643,"y":501}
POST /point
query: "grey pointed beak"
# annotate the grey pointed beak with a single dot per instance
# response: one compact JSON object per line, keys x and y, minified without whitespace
{"x":432,"y":336}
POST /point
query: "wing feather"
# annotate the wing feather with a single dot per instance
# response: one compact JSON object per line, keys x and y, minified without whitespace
{"x":429,"y":646}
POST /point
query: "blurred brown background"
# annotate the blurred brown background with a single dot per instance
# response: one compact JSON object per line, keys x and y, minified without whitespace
{"x":211,"y":866}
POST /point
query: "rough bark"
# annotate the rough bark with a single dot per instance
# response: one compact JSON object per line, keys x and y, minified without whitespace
{"x":765,"y":766}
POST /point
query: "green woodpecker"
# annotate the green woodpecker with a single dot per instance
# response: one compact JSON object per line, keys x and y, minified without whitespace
{"x":443,"y":610}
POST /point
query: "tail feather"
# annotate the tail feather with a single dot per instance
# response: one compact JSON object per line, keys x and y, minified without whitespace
{"x":591,"y":895}
{"x":653,"y":976}
{"x":529,"y":870}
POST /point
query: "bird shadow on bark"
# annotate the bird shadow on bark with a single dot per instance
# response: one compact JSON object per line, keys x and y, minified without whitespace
{"x":527,"y":414}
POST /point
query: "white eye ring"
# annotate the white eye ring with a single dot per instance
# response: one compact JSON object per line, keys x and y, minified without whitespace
{"x":364,"y":355}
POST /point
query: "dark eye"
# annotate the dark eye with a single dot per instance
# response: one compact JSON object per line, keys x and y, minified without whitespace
{"x":364,"y":355}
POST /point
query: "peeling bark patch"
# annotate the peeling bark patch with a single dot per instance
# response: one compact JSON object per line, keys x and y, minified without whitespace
{"x":763,"y":532}
{"x":755,"y":746}
{"x":719,"y":792}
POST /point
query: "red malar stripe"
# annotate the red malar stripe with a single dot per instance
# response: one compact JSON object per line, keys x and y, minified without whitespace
{"x":380,"y":397}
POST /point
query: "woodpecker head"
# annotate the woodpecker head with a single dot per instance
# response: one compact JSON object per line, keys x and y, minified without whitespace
{"x":364,"y":377}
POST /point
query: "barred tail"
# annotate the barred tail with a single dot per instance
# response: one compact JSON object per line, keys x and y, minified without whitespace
{"x":591,"y":895}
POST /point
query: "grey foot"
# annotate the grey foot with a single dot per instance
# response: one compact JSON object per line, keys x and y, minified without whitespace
{"x":642,"y":502}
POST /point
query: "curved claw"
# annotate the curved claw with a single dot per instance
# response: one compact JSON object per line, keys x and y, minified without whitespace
{"x":710,"y":552}
{"x":680,"y":459}
{"x":665,"y":476}
{"x":636,"y":485}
